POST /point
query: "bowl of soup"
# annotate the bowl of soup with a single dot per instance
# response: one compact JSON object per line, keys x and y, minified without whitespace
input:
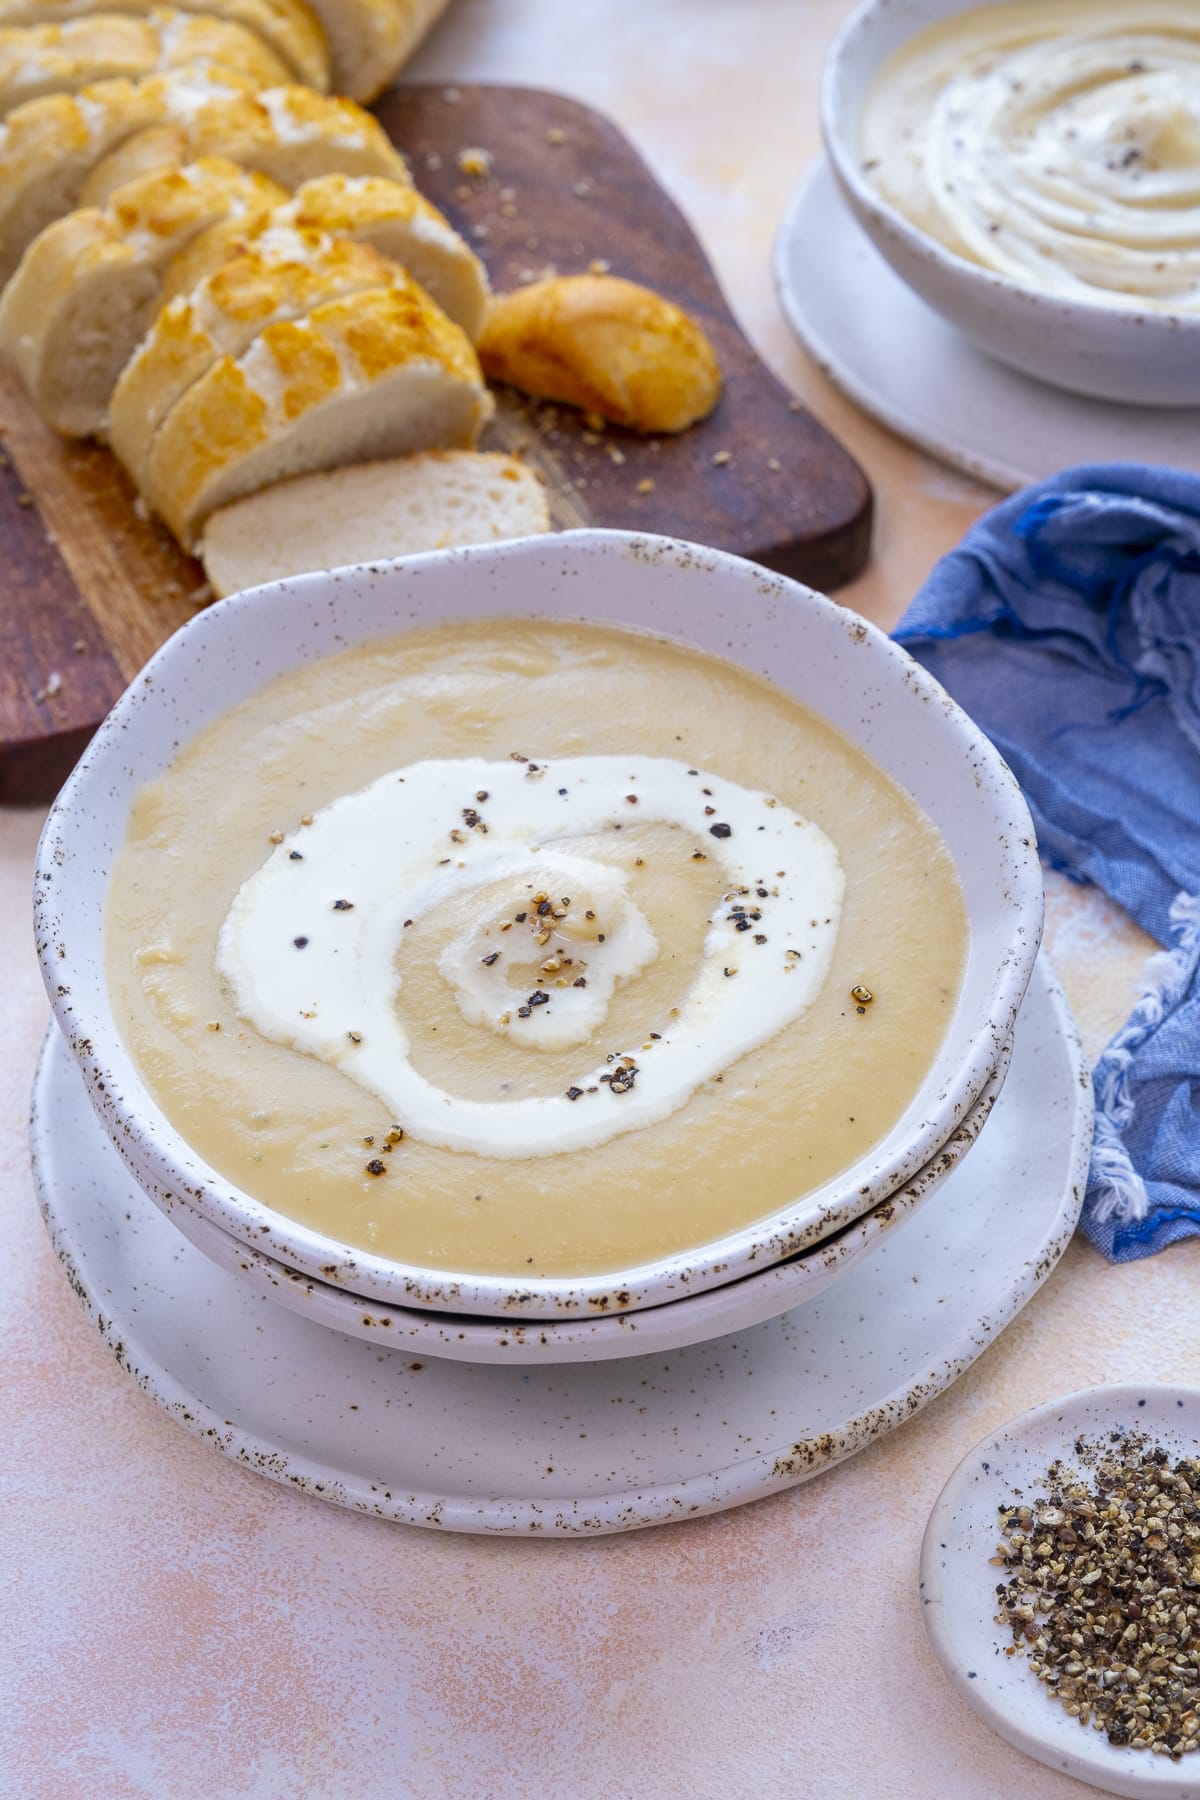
{"x":676,"y":1321}
{"x":535,"y":930}
{"x":1032,"y":170}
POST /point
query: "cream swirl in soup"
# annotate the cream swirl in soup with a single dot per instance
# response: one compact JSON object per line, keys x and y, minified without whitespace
{"x":1055,"y":143}
{"x":306,"y":964}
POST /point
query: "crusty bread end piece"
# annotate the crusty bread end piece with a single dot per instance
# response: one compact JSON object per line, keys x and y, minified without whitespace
{"x":372,"y":512}
{"x":606,"y":345}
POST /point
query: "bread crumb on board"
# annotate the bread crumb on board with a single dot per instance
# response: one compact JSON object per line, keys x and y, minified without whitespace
{"x":475,"y":161}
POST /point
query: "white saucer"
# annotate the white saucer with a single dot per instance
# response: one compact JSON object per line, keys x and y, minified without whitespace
{"x":958,"y":1584}
{"x":907,"y":367}
{"x":595,"y":1447}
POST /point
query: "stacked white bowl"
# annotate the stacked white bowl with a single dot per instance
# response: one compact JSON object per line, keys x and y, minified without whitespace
{"x":822,"y":654}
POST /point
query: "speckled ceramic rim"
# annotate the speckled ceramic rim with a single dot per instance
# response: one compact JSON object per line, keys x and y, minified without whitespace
{"x":783,"y":1466}
{"x":844,"y":666}
{"x":1061,"y":1743}
{"x":692,"y":1319}
{"x":791,"y":244}
{"x":1123,"y":335}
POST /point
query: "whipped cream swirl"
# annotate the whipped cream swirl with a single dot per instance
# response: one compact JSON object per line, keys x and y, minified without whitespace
{"x":309,"y":947}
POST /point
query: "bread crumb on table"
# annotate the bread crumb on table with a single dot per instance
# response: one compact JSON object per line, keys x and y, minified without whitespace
{"x":646,"y":485}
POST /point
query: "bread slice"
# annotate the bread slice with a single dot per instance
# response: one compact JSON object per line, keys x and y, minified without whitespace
{"x":88,"y":286}
{"x":379,"y":374}
{"x":604,"y":344}
{"x":370,"y":40}
{"x":288,"y":26}
{"x":400,"y":223}
{"x":284,"y":278}
{"x":48,"y":147}
{"x":389,"y":215}
{"x":289,"y":133}
{"x":371,"y":513}
{"x":60,"y":59}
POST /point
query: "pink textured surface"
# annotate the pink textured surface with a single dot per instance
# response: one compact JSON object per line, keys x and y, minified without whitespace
{"x":173,"y":1627}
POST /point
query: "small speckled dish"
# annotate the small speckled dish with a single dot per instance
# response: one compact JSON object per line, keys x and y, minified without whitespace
{"x":958,"y":1582}
{"x":1142,"y":357}
{"x":823,"y":654}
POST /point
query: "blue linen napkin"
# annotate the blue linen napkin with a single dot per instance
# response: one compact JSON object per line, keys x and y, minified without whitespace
{"x":1067,"y":624}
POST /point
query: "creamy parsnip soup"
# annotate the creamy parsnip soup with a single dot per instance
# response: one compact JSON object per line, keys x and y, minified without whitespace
{"x":530,"y":948}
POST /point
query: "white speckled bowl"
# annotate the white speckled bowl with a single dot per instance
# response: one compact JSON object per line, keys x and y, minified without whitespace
{"x":595,"y":1337}
{"x":826,"y":656}
{"x":1113,"y":353}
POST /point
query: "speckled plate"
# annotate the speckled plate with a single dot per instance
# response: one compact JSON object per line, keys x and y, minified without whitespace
{"x":958,"y":1583}
{"x":601,"y":1446}
{"x":909,"y":369}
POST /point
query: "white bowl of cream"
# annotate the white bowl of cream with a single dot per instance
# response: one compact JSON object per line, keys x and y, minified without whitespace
{"x":1032,"y":170}
{"x":310,"y":916}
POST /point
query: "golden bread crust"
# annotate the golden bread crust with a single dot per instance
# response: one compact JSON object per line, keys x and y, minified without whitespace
{"x":289,"y":133}
{"x":44,"y":59}
{"x":220,"y":319}
{"x":290,"y":27}
{"x":341,"y":350}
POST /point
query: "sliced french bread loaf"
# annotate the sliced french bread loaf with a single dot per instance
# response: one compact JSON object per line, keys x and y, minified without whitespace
{"x":36,"y":60}
{"x":379,"y":374}
{"x":288,"y":26}
{"x":370,"y":40}
{"x":372,"y":512}
{"x":87,"y":288}
{"x":48,"y":147}
{"x":289,"y":133}
{"x":389,"y":215}
{"x":285,"y":277}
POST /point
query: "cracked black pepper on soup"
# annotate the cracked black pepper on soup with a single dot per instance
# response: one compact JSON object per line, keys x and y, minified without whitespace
{"x":534,"y":947}
{"x":1103,"y":1594}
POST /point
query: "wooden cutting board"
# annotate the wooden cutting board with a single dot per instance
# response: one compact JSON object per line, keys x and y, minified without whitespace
{"x":89,"y":588}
